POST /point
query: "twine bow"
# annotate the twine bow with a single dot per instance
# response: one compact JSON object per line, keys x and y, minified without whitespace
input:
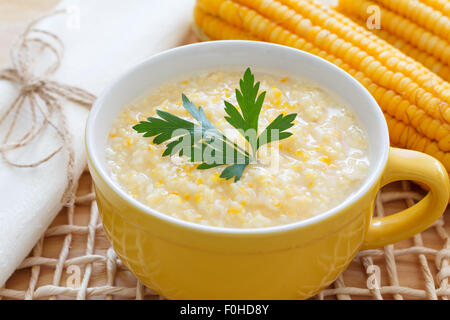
{"x":43,"y":97}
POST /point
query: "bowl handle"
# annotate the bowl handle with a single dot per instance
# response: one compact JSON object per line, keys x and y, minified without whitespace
{"x":410,"y":165}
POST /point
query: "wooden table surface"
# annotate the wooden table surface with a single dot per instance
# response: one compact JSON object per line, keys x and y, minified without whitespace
{"x":14,"y":15}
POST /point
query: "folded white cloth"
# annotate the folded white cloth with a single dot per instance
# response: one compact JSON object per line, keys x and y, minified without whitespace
{"x":102,"y":39}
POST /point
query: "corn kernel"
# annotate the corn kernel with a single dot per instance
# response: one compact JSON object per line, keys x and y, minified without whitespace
{"x":198,"y":197}
{"x":325,"y":160}
{"x":243,"y":190}
{"x":310,"y":175}
{"x":234,"y":210}
{"x":276,"y":92}
{"x":215,"y":177}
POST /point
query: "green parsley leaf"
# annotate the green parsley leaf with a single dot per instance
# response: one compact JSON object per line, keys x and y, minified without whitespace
{"x":281,"y":124}
{"x":234,"y":170}
{"x":250,"y":104}
{"x":202,"y":142}
{"x":194,"y":140}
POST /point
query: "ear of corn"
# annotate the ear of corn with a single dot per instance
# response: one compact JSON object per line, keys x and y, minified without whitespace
{"x":441,"y":5}
{"x":374,"y":46}
{"x":421,"y":14}
{"x":424,"y":58}
{"x":324,"y":39}
{"x":223,"y":31}
{"x":348,"y":24}
{"x":417,"y":114}
{"x":402,"y":28}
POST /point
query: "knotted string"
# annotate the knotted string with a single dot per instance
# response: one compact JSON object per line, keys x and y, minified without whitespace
{"x":43,"y":96}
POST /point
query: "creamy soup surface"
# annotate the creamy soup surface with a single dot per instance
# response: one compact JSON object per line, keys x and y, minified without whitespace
{"x":324,"y":162}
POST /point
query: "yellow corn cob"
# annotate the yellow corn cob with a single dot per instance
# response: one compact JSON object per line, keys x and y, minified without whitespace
{"x":348,"y":24}
{"x":223,"y":32}
{"x":407,"y":137}
{"x":254,"y":23}
{"x":325,"y":40}
{"x":346,"y":8}
{"x":402,"y":135}
{"x":441,"y":5}
{"x":421,"y":14}
{"x":373,"y":46}
{"x":428,"y":61}
{"x":431,"y":128}
{"x":402,"y":27}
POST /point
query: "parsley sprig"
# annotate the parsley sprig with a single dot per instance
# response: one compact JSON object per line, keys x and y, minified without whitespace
{"x":204,"y":143}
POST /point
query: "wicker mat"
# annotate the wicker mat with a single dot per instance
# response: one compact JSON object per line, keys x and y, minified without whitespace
{"x":74,"y":260}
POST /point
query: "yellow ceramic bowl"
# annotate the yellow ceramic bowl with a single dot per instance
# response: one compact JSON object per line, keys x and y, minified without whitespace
{"x":183,"y":260}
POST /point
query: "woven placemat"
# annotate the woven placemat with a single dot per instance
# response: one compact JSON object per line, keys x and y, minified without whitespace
{"x":74,"y":259}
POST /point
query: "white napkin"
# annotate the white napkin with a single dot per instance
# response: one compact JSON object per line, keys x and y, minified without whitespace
{"x":102,"y":39}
